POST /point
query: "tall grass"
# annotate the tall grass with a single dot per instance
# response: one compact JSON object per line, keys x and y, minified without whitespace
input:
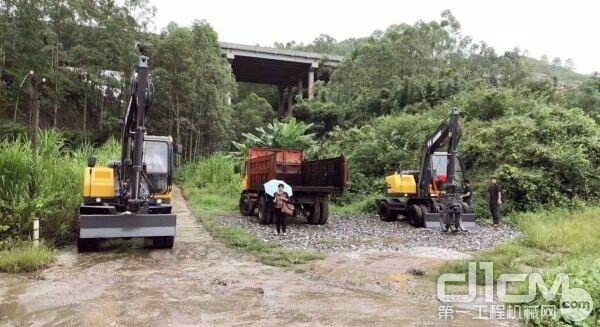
{"x":554,"y":241}
{"x":46,"y":184}
{"x":26,"y":257}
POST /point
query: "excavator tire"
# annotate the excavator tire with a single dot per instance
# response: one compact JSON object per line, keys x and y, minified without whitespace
{"x":424,"y":211}
{"x":385,"y":214}
{"x":416,"y":216}
{"x":163,"y":242}
{"x":88,"y":244}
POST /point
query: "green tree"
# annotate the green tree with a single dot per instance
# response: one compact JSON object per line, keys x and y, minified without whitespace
{"x":251,"y":113}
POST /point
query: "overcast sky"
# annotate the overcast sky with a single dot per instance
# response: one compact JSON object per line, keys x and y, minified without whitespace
{"x":565,"y":29}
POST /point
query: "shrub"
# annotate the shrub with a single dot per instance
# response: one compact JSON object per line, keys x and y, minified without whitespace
{"x":549,"y":156}
{"x":26,"y":257}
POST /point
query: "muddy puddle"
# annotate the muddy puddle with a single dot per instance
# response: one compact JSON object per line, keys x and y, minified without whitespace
{"x":202,"y":283}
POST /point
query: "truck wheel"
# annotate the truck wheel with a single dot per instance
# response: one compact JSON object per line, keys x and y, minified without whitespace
{"x":88,"y":244}
{"x":264,"y":215}
{"x":314,"y":213}
{"x":385,"y":214}
{"x":246,"y":207}
{"x":324,"y":213}
{"x":416,"y":216}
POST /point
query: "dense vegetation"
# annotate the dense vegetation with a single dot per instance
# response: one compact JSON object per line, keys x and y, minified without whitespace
{"x":42,"y":182}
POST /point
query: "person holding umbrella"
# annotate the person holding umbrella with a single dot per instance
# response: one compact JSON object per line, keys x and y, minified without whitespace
{"x":281,"y":199}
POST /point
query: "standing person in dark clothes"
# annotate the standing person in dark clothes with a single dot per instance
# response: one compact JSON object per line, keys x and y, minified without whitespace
{"x":467,"y":193}
{"x":495,"y":198}
{"x":281,"y":198}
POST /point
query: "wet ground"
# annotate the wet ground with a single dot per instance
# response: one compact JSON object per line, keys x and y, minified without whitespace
{"x":202,"y":283}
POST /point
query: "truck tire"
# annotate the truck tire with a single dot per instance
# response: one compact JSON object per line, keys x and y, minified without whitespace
{"x":88,"y":244}
{"x":385,"y":214}
{"x":264,"y":214}
{"x":314,"y":214}
{"x":246,"y":207}
{"x":324,"y":213}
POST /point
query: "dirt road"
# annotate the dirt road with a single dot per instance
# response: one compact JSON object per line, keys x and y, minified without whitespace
{"x":201,"y":282}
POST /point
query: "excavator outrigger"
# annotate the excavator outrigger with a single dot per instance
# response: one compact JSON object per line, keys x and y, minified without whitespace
{"x":131,"y":197}
{"x":431,"y":196}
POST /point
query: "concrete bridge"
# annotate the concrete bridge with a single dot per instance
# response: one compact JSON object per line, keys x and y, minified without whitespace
{"x":292,"y":71}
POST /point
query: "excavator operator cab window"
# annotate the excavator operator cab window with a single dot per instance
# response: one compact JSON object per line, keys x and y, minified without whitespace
{"x":439,"y":164}
{"x":156,"y":159}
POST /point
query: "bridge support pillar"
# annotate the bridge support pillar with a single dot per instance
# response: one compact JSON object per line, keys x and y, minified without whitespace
{"x":290,"y":100}
{"x":311,"y":84}
{"x":281,"y":104}
{"x":300,"y":90}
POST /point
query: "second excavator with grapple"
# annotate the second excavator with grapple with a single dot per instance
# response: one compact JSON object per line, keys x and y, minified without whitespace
{"x":431,"y":196}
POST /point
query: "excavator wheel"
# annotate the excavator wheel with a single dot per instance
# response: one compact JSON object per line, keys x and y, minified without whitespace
{"x":416,"y":215}
{"x":88,"y":244}
{"x":385,"y":214}
{"x":313,"y":213}
{"x":424,"y":211}
{"x":163,"y":242}
{"x":265,"y":216}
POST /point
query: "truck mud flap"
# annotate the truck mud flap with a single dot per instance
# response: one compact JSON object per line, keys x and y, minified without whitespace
{"x":432,"y":220}
{"x":126,"y":225}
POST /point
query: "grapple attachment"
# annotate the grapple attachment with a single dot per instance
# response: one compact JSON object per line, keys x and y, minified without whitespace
{"x":446,"y":221}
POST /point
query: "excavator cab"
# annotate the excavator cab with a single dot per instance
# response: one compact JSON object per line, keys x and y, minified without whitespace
{"x":158,"y":163}
{"x":439,"y":174}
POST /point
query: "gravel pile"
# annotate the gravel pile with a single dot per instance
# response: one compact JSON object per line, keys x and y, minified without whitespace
{"x":366,"y":233}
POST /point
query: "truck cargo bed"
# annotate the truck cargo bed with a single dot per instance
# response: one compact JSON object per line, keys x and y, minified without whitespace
{"x":325,"y":175}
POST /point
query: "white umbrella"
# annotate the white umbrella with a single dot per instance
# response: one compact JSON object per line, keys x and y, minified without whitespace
{"x":271,"y":187}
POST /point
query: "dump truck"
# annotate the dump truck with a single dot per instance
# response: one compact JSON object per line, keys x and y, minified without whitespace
{"x":313,"y":182}
{"x":131,"y":197}
{"x":431,"y":195}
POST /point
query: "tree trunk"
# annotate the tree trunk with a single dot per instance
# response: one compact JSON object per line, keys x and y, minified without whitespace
{"x":190,"y":144}
{"x":177,"y":126}
{"x":36,"y":121}
{"x":101,"y":107}
{"x":197,"y":150}
{"x":84,"y":110}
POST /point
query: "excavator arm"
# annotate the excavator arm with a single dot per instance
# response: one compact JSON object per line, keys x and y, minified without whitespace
{"x":450,"y":212}
{"x":132,"y":139}
{"x":449,"y":133}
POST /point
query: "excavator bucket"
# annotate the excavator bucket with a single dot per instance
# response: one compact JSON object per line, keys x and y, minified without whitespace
{"x":434,"y":219}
